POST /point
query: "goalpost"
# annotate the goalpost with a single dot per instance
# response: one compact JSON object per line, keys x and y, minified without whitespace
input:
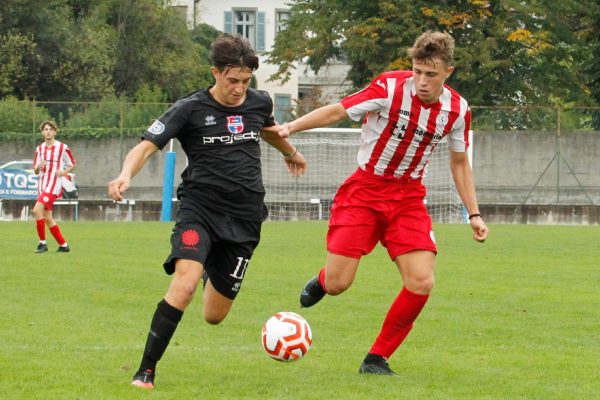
{"x":331,"y":155}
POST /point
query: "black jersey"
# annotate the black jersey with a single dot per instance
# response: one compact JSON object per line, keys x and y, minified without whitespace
{"x":223,"y":151}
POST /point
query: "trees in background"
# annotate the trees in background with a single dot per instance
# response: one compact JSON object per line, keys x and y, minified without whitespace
{"x":120,"y":60}
{"x":93,"y":50}
{"x":508,"y":52}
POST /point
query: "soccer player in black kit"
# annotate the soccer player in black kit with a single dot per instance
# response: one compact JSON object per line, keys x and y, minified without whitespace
{"x":221,"y":195}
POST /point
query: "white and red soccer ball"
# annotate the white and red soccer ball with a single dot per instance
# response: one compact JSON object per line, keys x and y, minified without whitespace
{"x":286,"y":336}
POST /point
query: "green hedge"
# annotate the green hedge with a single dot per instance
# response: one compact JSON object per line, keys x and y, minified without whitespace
{"x":76,"y":133}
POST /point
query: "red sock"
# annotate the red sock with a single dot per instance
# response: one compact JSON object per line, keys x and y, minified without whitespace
{"x":40,"y":225}
{"x":322,"y":279}
{"x":398,"y":322}
{"x":57,"y":235}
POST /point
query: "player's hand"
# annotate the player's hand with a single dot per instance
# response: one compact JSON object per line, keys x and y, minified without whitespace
{"x":117,"y":187}
{"x":282,"y":131}
{"x":41,"y":165}
{"x":285,"y":130}
{"x":61,"y":172}
{"x":296,"y":165}
{"x":480,"y":229}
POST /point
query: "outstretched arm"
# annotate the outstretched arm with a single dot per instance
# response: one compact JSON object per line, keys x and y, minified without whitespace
{"x":463,"y":179}
{"x":318,"y":118}
{"x":134,"y":161}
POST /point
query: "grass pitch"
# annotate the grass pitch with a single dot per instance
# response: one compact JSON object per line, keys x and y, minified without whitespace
{"x":515,"y":318}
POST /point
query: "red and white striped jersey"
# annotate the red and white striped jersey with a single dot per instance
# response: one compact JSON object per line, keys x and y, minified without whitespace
{"x":399,"y":131}
{"x":57,"y":157}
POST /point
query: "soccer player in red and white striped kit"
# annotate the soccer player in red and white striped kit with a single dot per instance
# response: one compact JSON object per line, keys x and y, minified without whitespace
{"x":52,"y":162}
{"x":406,"y":114}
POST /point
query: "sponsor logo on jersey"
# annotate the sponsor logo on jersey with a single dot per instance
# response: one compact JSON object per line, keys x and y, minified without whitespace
{"x":442,"y":119}
{"x":157,"y":128}
{"x":235,"y":124}
{"x":209,"y":120}
{"x":229,"y":139}
{"x":401,"y":128}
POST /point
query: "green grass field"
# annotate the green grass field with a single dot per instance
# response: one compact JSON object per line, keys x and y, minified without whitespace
{"x":515,"y":318}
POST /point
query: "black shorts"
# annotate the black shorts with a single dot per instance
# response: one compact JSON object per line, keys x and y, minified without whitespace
{"x":222,"y":244}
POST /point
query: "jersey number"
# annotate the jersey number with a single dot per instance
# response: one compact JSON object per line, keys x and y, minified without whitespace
{"x":240,"y":268}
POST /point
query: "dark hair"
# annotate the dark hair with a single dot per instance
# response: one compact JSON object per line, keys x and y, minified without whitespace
{"x":233,"y":51}
{"x":52,"y":124}
{"x":433,"y":45}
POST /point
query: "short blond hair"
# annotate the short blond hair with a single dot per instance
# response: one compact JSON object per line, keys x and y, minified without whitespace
{"x":50,"y":123}
{"x":433,"y":46}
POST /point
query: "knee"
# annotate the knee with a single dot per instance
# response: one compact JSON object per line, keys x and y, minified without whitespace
{"x":426,"y":286}
{"x":187,"y":291}
{"x":181,"y":294}
{"x":213,"y":318}
{"x":337,"y":286}
{"x":421,"y":285}
{"x":37,"y":214}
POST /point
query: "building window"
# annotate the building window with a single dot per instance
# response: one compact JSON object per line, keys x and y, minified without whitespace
{"x":248,"y":23}
{"x":309,"y":98}
{"x":282,"y":109}
{"x":245,"y":24}
{"x":281,"y":18}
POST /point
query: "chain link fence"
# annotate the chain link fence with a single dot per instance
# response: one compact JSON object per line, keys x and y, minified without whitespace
{"x":522,"y":155}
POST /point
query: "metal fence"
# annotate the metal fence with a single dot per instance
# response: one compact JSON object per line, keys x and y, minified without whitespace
{"x":523,"y":155}
{"x":125,"y":118}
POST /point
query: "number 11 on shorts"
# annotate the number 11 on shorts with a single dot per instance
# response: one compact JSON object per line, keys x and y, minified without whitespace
{"x":240,"y":268}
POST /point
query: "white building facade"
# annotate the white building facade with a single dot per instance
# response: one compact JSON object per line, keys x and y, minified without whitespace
{"x":260,"y":21}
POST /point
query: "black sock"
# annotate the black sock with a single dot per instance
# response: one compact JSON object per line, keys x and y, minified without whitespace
{"x":373,"y":359}
{"x":164,"y":323}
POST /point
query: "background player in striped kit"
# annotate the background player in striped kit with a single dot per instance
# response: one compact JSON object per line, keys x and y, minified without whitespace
{"x":52,"y":162}
{"x":406,"y":113}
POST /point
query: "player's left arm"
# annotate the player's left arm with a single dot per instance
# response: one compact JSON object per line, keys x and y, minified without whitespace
{"x":68,"y":162}
{"x":463,"y":179}
{"x":294,"y":160}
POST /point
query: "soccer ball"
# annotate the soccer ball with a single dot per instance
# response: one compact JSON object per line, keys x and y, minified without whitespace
{"x":286,"y":336}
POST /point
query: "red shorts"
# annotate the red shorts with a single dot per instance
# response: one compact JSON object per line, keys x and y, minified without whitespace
{"x":368,"y":209}
{"x":47,"y":199}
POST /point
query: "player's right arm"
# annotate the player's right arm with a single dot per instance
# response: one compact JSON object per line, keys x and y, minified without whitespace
{"x":134,"y":161}
{"x":39,"y":167}
{"x":372,"y":98}
{"x":318,"y":118}
{"x":38,"y":163}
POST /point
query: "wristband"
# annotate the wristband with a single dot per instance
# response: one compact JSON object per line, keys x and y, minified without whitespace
{"x":474,"y":215}
{"x":290,"y":155}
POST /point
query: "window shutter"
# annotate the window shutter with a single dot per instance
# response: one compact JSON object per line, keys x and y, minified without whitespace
{"x":228,"y":26}
{"x":260,"y":34}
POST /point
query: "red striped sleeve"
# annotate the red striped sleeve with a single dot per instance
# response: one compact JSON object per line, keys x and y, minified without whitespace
{"x":467,"y":127}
